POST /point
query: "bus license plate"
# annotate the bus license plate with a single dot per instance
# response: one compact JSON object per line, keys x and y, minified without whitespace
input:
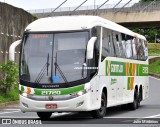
{"x":51,"y":106}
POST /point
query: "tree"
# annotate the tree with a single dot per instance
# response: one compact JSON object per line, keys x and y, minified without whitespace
{"x":152,"y":34}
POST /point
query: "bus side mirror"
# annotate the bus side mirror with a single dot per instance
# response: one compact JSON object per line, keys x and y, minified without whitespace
{"x":12,"y":49}
{"x":90,"y":47}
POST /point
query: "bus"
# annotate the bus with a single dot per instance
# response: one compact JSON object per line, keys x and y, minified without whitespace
{"x":81,"y":63}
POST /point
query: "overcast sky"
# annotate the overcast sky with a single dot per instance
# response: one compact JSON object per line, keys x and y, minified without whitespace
{"x":42,"y":4}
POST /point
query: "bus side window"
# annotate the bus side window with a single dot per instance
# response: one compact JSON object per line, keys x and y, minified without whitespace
{"x":145,"y":50}
{"x":111,"y":45}
{"x":105,"y":44}
{"x":122,"y":54}
{"x":119,"y":49}
{"x":123,"y":45}
{"x":128,"y":47}
{"x":134,"y":42}
{"x":140,"y":50}
{"x":115,"y":41}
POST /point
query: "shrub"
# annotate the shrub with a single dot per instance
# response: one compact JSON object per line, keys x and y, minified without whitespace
{"x":9,"y":75}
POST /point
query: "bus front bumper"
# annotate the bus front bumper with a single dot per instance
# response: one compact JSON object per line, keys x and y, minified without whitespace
{"x":81,"y":103}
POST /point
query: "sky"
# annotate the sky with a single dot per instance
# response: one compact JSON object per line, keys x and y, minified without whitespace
{"x":43,"y":4}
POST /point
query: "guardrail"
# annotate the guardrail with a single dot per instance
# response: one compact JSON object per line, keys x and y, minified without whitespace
{"x":147,"y":6}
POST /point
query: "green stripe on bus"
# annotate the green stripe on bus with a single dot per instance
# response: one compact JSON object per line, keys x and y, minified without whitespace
{"x":22,"y":88}
{"x":130,"y":69}
{"x":137,"y":69}
{"x":106,"y":67}
{"x":142,"y":70}
{"x":119,"y":69}
{"x":64,"y":91}
{"x":128,"y":83}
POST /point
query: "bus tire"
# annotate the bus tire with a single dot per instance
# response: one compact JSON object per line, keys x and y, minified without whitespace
{"x":100,"y":113}
{"x":134,"y":105}
{"x":44,"y":115}
{"x":140,"y":94}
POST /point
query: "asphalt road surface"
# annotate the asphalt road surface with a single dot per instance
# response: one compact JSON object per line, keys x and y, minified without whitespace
{"x":116,"y":116}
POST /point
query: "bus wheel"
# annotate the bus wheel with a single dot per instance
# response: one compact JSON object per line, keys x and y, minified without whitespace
{"x":136,"y":103}
{"x":44,"y":115}
{"x":100,"y":113}
{"x":140,"y":96}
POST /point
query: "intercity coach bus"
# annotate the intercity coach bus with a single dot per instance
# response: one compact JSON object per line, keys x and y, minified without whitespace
{"x":81,"y":63}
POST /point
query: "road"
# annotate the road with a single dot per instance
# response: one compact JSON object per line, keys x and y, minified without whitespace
{"x":150,"y":108}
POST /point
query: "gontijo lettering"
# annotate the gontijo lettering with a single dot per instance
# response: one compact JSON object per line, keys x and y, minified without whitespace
{"x":116,"y":68}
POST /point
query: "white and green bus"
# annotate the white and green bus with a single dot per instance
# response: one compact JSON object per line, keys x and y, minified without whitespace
{"x":81,"y":63}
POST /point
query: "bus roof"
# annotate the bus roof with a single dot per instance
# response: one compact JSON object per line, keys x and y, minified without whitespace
{"x":67,"y":23}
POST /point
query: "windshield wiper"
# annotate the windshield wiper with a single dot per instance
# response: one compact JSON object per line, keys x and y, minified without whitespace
{"x":42,"y":72}
{"x":47,"y":63}
{"x":60,"y":71}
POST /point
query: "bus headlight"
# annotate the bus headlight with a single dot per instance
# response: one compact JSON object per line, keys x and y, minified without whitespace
{"x":79,"y":93}
{"x":24,"y":94}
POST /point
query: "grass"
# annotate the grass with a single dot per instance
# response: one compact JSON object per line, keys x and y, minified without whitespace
{"x":153,"y":49}
{"x":154,"y":67}
{"x":13,"y":95}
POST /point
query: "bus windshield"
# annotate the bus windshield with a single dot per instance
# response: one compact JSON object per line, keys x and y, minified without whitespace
{"x":43,"y":53}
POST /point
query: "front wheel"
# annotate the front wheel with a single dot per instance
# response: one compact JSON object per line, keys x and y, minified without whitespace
{"x":100,"y":113}
{"x":44,"y":115}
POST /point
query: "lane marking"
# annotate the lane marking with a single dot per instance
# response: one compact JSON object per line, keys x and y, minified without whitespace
{"x":124,"y":117}
{"x":19,"y":117}
{"x":9,"y":109}
{"x":9,"y":112}
{"x":152,"y":116}
{"x":154,"y":78}
{"x":136,"y":117}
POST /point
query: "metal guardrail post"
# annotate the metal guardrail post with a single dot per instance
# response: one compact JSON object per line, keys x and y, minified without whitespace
{"x":78,"y":6}
{"x":116,"y":5}
{"x":58,"y":6}
{"x":148,"y":5}
{"x":123,"y":6}
{"x":98,"y":7}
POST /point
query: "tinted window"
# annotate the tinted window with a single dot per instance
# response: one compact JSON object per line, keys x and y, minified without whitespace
{"x":107,"y":44}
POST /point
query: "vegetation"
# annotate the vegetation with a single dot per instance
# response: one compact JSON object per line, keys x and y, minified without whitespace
{"x":10,"y":96}
{"x":34,"y":17}
{"x":148,"y":0}
{"x":8,"y":82}
{"x":152,"y":34}
{"x":153,"y":49}
{"x":155,"y":67}
{"x":9,"y":75}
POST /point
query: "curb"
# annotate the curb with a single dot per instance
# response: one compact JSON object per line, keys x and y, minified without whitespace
{"x":151,"y":60}
{"x":154,"y":75}
{"x":4,"y":105}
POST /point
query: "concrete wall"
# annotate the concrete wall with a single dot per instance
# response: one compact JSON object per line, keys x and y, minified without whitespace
{"x":121,"y":17}
{"x":131,"y":19}
{"x":12,"y":24}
